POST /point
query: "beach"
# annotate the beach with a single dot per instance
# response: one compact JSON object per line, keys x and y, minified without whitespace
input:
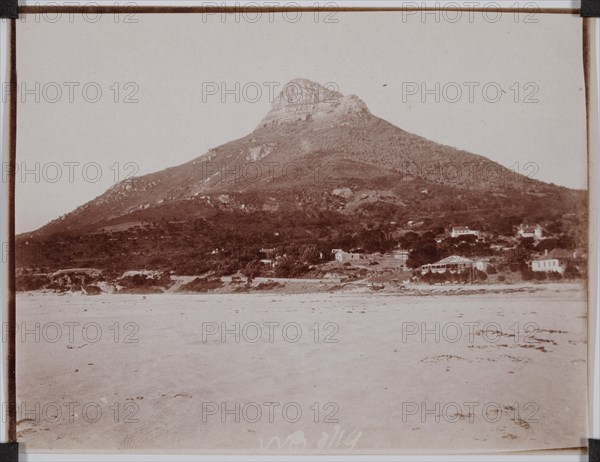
{"x":328,"y":372}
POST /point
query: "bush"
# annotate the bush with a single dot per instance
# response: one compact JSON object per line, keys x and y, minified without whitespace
{"x":290,"y":269}
{"x":201,"y":285}
{"x":540,"y":276}
{"x":252,"y":269}
{"x":141,"y":283}
{"x":269,"y":285}
{"x":480,"y":275}
{"x":226,"y":268}
{"x":527,"y":275}
{"x":27,"y":282}
{"x":92,"y":290}
{"x":572,"y":272}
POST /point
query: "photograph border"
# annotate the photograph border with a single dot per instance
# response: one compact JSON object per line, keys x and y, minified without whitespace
{"x":8,"y":141}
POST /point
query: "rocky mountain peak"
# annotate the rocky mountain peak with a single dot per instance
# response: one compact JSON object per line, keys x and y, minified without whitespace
{"x":305,"y":100}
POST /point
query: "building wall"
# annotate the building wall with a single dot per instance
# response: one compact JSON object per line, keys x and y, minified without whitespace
{"x":537,"y":234}
{"x":344,"y":256}
{"x":464,"y":233}
{"x":482,"y":265}
{"x":452,"y":268}
{"x":547,"y":266}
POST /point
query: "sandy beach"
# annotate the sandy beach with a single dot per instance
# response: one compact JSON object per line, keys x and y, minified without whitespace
{"x":303,"y":373}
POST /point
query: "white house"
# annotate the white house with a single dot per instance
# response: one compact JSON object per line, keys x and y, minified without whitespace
{"x":534,"y":232}
{"x":343,"y":256}
{"x":402,"y":257}
{"x":554,"y":261}
{"x":458,"y":231}
{"x":481,"y":265}
{"x":453,"y":264}
{"x":268,"y":262}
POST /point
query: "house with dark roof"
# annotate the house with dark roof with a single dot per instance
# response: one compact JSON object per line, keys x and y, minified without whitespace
{"x":555,"y":261}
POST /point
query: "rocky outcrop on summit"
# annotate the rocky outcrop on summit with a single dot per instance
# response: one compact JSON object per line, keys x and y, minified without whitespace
{"x":304,"y":100}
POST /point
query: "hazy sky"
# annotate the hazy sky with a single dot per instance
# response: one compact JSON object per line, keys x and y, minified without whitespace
{"x":170,"y":63}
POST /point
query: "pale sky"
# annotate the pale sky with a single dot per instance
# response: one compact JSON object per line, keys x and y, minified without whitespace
{"x":168,"y":60}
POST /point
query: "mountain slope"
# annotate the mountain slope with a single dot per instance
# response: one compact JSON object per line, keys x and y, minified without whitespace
{"x":319,"y":152}
{"x":319,"y":139}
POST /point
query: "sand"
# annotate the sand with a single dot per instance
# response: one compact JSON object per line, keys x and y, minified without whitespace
{"x":482,"y":386}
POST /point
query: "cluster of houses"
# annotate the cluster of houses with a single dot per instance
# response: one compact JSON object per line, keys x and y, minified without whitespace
{"x":555,"y":261}
{"x":524,"y":231}
{"x":453,"y":264}
{"x":400,"y":257}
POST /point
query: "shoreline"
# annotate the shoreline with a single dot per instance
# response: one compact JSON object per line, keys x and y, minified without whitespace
{"x":293,"y":288}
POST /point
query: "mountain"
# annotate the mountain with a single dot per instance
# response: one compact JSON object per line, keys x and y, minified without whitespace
{"x":319,"y":159}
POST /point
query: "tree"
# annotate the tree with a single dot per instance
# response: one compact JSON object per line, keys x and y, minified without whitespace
{"x":408,"y":240}
{"x":438,"y":230}
{"x":540,"y":276}
{"x":572,"y":272}
{"x":565,"y":242}
{"x":422,"y":254}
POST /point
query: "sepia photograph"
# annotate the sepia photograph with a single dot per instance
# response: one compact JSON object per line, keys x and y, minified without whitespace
{"x":302,"y":231}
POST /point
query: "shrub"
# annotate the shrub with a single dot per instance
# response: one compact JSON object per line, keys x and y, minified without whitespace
{"x":92,"y":290}
{"x":269,"y":285}
{"x":527,"y":274}
{"x":27,"y":282}
{"x":201,"y":285}
{"x":480,"y":275}
{"x":252,"y":269}
{"x":572,"y":272}
{"x":540,"y":276}
{"x":142,"y":283}
{"x":555,"y":276}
